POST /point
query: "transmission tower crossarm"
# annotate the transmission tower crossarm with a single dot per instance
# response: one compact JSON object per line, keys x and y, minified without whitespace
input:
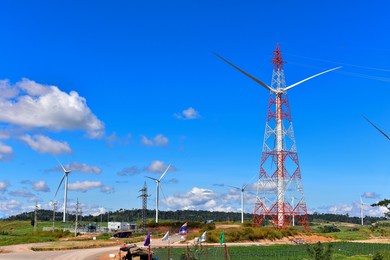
{"x":246,"y":73}
{"x":306,"y":79}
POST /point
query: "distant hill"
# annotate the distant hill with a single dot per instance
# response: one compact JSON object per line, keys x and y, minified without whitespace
{"x":135,"y":216}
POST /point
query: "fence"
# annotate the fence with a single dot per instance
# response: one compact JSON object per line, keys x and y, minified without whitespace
{"x":283,"y":252}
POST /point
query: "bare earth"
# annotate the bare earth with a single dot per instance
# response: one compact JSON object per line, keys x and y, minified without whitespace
{"x":25,"y":252}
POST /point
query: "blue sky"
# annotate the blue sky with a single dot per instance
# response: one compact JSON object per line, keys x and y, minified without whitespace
{"x":117,"y":90}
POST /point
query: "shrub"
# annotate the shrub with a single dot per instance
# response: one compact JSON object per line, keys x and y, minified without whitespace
{"x":319,"y":252}
{"x":385,"y":255}
{"x":208,"y":227}
{"x":329,"y":229}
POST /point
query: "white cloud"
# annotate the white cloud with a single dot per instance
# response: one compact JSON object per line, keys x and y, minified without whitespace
{"x":158,"y":166}
{"x":340,"y":209}
{"x":44,"y":144}
{"x":40,"y":186}
{"x":4,"y":135}
{"x":7,"y":91}
{"x":146,"y":141}
{"x":21,"y":193}
{"x":129,"y":171}
{"x":10,"y":205}
{"x":115,"y":139}
{"x":82,"y":167}
{"x":370,"y":195}
{"x":189,"y":113}
{"x":84,"y":186}
{"x":3,"y":186}
{"x":33,"y":105}
{"x":197,"y":199}
{"x":6,"y":152}
{"x":353,"y":209}
{"x":93,"y":210}
{"x":158,"y":140}
{"x":107,"y":189}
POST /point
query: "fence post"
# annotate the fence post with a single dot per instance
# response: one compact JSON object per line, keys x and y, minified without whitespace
{"x":227,"y":257}
{"x":169,"y":251}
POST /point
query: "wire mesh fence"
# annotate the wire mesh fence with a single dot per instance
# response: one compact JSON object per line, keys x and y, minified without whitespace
{"x":285,"y":252}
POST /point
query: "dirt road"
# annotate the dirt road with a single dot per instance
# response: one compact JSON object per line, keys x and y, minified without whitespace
{"x":77,"y":254}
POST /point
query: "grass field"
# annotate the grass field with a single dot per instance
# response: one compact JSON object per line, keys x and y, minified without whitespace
{"x":21,"y":232}
{"x":341,"y":250}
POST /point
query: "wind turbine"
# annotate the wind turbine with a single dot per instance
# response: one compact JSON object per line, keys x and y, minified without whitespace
{"x":242,"y":189}
{"x":158,"y":189}
{"x":377,"y":128}
{"x":279,"y":90}
{"x":361,"y":210}
{"x":65,"y":176}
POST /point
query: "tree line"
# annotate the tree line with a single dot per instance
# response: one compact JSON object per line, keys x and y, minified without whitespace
{"x":135,"y":216}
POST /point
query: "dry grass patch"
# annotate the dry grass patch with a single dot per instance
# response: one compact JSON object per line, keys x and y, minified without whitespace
{"x":84,"y":244}
{"x":67,"y":245}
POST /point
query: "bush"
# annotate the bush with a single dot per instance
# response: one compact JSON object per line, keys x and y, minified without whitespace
{"x":57,"y":233}
{"x":319,"y":252}
{"x":249,"y":234}
{"x":329,"y":229}
{"x":385,"y":255}
{"x":208,"y":227}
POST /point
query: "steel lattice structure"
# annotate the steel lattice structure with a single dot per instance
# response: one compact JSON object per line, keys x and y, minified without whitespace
{"x":144,"y":196}
{"x":280,"y":181}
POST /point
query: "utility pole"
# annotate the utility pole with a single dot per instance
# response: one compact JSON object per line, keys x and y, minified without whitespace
{"x":77,"y":214}
{"x":35,"y":216}
{"x":54,"y":211}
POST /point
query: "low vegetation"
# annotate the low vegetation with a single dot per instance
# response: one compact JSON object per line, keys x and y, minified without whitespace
{"x":245,"y":234}
{"x":322,"y":251}
{"x":21,"y":232}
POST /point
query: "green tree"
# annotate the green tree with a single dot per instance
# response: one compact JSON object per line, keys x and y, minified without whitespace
{"x":320,"y":252}
{"x":383,"y":203}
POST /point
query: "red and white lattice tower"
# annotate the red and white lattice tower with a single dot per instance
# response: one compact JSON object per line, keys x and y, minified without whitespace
{"x":280,"y":177}
{"x":280,"y":197}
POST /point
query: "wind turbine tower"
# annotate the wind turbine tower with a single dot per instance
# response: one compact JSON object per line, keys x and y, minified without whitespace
{"x":361,"y":210}
{"x":279,"y":176}
{"x":65,"y":176}
{"x":242,"y":189}
{"x":158,"y":189}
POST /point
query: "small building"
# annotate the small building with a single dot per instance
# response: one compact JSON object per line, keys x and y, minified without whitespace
{"x":114,"y":226}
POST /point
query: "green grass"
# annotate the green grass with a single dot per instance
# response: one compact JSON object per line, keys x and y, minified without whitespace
{"x":350,"y":235}
{"x":21,"y":232}
{"x":341,"y":251}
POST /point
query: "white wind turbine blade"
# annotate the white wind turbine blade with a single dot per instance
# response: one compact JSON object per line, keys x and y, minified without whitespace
{"x":164,"y":172}
{"x":63,"y":177}
{"x":377,"y":128}
{"x":246,"y":73}
{"x":234,"y":187}
{"x":156,"y":180}
{"x":316,"y":75}
{"x":244,"y":187}
{"x":63,"y":168}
